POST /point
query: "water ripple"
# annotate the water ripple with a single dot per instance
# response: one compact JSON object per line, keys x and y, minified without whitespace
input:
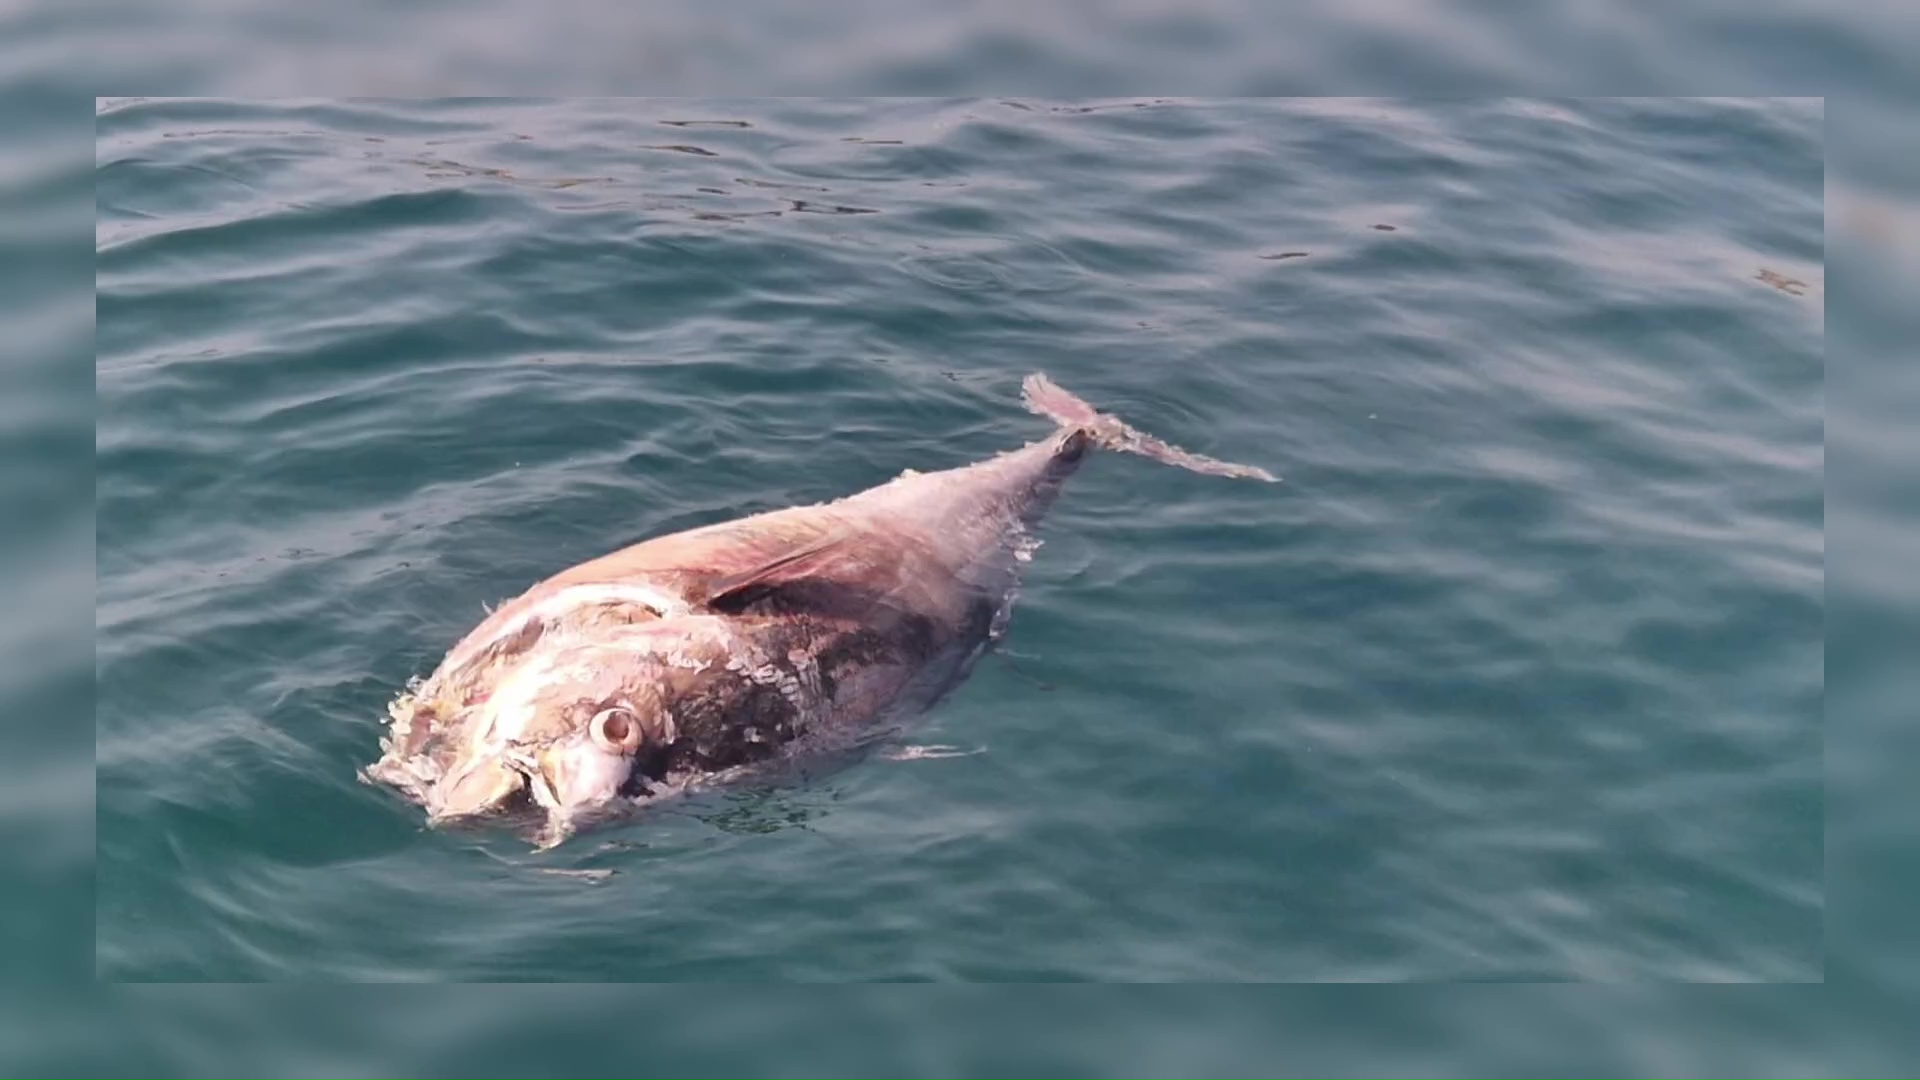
{"x":1518,"y":675}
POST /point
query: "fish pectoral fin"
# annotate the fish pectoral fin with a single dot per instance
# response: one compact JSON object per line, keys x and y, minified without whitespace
{"x":731,"y":592}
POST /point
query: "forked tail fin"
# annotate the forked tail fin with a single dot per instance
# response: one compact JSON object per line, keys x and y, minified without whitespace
{"x":1047,"y":398}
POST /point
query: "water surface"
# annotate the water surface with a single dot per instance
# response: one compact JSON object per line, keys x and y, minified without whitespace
{"x":1516,"y":676}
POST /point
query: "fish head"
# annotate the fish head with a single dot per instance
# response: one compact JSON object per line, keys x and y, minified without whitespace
{"x":566,"y":726}
{"x":559,"y":738}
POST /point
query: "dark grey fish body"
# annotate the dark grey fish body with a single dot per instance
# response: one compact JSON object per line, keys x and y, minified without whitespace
{"x":706,"y":653}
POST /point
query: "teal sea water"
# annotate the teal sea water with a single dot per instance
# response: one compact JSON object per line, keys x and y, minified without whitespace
{"x":1517,"y":676}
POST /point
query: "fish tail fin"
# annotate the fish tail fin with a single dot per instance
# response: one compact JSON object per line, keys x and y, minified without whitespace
{"x":1049,"y":399}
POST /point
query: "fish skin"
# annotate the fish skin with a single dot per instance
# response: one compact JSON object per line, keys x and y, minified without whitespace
{"x":736,"y":644}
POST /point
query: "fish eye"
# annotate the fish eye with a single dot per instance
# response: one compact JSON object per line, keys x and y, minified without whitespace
{"x":615,"y":730}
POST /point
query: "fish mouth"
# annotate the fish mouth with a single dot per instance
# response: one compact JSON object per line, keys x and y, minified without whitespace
{"x":485,"y":788}
{"x":567,"y":787}
{"x":576,"y":783}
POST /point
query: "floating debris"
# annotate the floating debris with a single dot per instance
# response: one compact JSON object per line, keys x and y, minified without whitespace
{"x":929,"y":753}
{"x":1100,"y":108}
{"x":706,"y":123}
{"x":774,"y":184}
{"x":738,"y":215}
{"x":802,"y":206}
{"x":441,"y":168}
{"x":681,"y":148}
{"x":1790,"y":286}
{"x":1287,"y":255}
{"x":592,"y":877}
{"x":1385,"y":228}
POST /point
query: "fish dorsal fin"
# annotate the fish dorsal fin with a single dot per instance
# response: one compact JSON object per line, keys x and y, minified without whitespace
{"x":731,"y":592}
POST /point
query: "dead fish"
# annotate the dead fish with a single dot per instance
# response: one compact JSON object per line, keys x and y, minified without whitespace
{"x":705,"y":655}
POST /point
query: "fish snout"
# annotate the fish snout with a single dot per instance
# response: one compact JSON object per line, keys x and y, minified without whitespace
{"x":481,"y":787}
